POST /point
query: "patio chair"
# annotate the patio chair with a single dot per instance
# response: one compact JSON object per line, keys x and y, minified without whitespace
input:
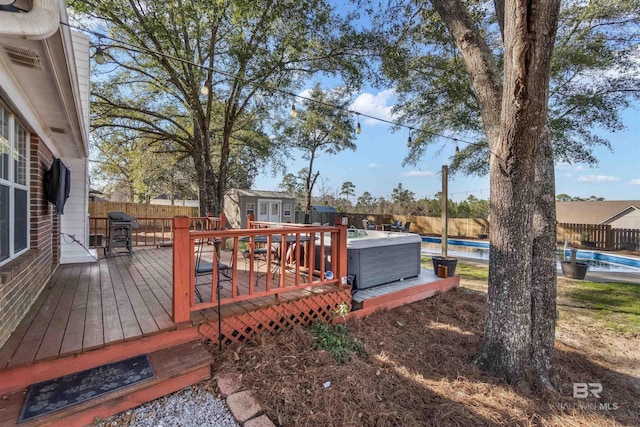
{"x":368,"y":225}
{"x":406,"y":226}
{"x":261,"y":258}
{"x":203,"y":267}
{"x":397,"y":226}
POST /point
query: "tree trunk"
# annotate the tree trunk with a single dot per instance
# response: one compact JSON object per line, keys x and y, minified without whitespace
{"x":518,"y":327}
{"x":543,"y":280}
{"x":223,"y":171}
{"x":206,"y":183}
{"x":507,"y":335}
{"x":310,"y":181}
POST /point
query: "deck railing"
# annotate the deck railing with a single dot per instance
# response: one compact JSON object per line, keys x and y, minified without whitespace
{"x":302,"y":257}
{"x":151,"y":231}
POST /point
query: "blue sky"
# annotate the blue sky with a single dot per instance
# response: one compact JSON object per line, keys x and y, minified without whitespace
{"x":376,"y":165}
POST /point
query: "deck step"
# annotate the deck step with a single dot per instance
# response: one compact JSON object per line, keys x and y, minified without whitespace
{"x":175,"y":368}
{"x":396,"y":294}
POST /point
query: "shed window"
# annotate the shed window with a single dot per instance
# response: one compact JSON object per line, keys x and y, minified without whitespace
{"x":251,"y":209}
{"x":286,"y":210}
{"x":14,"y":187}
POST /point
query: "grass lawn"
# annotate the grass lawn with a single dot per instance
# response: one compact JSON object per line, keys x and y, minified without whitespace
{"x":615,"y":305}
{"x":413,"y":365}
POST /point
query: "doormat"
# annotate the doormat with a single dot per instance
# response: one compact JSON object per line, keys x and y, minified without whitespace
{"x":53,"y":395}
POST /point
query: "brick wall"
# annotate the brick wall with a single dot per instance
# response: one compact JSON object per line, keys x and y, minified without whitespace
{"x":22,"y":279}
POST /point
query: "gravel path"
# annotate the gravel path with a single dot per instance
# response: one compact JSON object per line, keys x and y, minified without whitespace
{"x":193,"y":406}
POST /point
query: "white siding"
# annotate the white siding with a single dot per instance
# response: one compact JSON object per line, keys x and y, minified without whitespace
{"x":75,"y":221}
{"x":176,"y":202}
{"x":81,"y":56}
{"x":630,"y":219}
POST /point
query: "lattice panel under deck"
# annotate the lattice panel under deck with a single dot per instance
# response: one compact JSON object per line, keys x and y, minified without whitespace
{"x":239,"y":328}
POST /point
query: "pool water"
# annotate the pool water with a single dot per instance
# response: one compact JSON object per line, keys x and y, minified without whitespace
{"x":597,"y":261}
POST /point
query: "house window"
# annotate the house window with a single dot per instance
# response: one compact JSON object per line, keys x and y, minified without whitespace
{"x":14,"y":191}
{"x":251,"y":209}
{"x":286,"y":210}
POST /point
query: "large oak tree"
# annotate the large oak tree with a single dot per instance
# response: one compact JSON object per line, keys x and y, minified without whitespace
{"x":250,"y":54}
{"x":488,"y":72}
{"x":511,"y":98}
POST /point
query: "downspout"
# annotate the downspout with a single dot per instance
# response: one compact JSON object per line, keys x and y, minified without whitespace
{"x":41,"y":22}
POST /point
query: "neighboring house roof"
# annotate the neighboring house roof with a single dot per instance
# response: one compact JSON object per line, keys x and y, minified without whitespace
{"x":264,"y":194}
{"x":94,"y":196}
{"x":593,"y":212}
{"x":161,"y":197}
{"x":168,"y":197}
{"x":322,"y":208}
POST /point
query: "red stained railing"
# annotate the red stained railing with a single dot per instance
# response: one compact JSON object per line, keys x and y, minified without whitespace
{"x":151,"y":231}
{"x":294,"y":264}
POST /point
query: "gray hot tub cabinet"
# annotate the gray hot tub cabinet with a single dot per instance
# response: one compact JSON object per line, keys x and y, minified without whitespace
{"x":372,"y":262}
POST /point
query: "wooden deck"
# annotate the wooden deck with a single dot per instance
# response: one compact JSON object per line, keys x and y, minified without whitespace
{"x":93,"y":314}
{"x":119,"y":298}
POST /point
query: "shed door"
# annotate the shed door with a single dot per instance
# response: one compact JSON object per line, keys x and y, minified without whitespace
{"x":270,"y":210}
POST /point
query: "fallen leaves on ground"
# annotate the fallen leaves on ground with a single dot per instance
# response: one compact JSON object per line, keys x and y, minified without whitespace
{"x":418,"y":371}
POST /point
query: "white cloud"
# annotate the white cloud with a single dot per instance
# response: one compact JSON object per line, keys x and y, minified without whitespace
{"x":305,"y":93}
{"x":563,"y":166}
{"x":570,"y":166}
{"x":568,"y":175}
{"x":634,"y":181}
{"x":373,"y":165}
{"x":374,"y":105}
{"x":419,"y":174}
{"x":598,"y":178}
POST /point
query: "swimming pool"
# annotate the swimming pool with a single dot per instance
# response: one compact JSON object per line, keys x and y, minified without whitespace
{"x":598,"y":261}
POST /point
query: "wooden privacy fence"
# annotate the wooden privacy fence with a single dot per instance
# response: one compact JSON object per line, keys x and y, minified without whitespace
{"x":599,"y":236}
{"x":588,"y":235}
{"x":458,"y":227}
{"x":101,"y":209}
{"x":260,"y":262}
{"x":626,"y":239}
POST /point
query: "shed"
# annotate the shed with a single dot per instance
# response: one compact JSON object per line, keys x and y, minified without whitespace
{"x":271,"y":206}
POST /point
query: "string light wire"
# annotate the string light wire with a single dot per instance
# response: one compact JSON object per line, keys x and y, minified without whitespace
{"x":141,"y":49}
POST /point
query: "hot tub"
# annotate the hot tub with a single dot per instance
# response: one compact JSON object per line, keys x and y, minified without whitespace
{"x":377,"y":257}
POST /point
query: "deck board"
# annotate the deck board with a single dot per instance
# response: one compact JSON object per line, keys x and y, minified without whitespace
{"x":12,"y":344}
{"x":141,"y":311}
{"x":94,"y":333}
{"x":156,"y":309}
{"x":157,"y":283}
{"x":128,"y":320}
{"x":110,"y":320}
{"x":52,"y":341}
{"x":30,"y":342}
{"x":74,"y":333}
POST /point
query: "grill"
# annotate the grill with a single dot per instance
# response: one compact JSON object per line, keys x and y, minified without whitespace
{"x":121,"y":225}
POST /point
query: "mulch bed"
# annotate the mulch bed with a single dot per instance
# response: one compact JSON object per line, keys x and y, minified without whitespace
{"x":418,"y":371}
